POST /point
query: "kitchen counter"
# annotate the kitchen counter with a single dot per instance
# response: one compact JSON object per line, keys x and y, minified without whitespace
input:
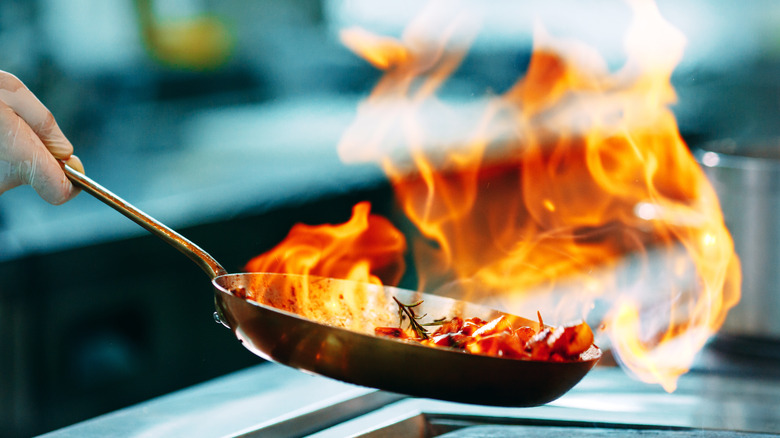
{"x":273,"y":400}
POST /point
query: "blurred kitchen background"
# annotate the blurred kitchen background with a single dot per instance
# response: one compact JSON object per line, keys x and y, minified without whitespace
{"x":221,"y":119}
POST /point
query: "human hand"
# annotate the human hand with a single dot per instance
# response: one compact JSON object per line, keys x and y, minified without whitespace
{"x":31,"y":144}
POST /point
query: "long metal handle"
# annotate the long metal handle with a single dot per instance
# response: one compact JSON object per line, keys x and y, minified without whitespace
{"x":194,"y":252}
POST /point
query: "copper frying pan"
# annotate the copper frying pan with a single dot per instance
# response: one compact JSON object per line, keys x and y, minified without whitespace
{"x":348,"y":350}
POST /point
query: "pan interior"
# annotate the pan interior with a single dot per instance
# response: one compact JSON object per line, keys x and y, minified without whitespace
{"x":355,"y":306}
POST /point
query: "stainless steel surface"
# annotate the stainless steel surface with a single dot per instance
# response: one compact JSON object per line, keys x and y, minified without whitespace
{"x":746,"y":176}
{"x":605,"y":398}
{"x":271,"y":400}
{"x":355,"y":357}
{"x":277,"y":399}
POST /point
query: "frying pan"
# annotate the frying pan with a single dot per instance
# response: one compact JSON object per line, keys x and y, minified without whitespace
{"x":312,"y":338}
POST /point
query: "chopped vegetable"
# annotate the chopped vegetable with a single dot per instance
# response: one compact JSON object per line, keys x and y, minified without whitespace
{"x":496,"y":337}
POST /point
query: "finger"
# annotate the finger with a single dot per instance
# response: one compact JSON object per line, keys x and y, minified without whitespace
{"x":75,"y":163}
{"x":10,"y":154}
{"x":25,"y":160}
{"x":17,"y":96}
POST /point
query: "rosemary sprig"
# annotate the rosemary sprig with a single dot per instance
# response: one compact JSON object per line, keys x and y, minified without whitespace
{"x":408,"y":310}
{"x":440,"y":321}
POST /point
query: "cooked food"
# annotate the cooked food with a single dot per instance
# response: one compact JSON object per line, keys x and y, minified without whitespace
{"x":503,"y":336}
{"x":496,"y":337}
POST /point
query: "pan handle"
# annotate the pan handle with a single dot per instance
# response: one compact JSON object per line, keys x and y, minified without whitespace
{"x":194,"y":252}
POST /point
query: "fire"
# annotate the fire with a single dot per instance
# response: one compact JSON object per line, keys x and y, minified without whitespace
{"x":572,"y":192}
{"x":367,"y":248}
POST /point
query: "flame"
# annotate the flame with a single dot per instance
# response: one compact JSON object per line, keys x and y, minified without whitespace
{"x":572,"y":192}
{"x":367,"y":248}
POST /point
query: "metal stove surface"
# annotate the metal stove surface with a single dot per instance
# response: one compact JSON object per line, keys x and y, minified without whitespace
{"x":271,"y":400}
{"x":607,"y":402}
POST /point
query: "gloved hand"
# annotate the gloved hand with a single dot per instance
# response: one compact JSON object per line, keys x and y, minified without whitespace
{"x":31,"y":143}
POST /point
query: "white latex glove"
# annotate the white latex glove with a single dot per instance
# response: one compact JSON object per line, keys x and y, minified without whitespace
{"x":31,"y":144}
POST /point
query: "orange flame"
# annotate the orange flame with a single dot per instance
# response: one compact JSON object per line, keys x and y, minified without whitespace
{"x":572,"y":192}
{"x":367,"y":248}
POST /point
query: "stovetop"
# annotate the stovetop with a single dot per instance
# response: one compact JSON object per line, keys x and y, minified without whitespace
{"x":273,"y":400}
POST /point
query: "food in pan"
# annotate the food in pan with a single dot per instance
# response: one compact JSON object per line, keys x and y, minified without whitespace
{"x":472,"y":329}
{"x":496,"y":337}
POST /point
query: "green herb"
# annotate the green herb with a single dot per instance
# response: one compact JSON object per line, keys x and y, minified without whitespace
{"x":408,"y":310}
{"x":441,"y":321}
